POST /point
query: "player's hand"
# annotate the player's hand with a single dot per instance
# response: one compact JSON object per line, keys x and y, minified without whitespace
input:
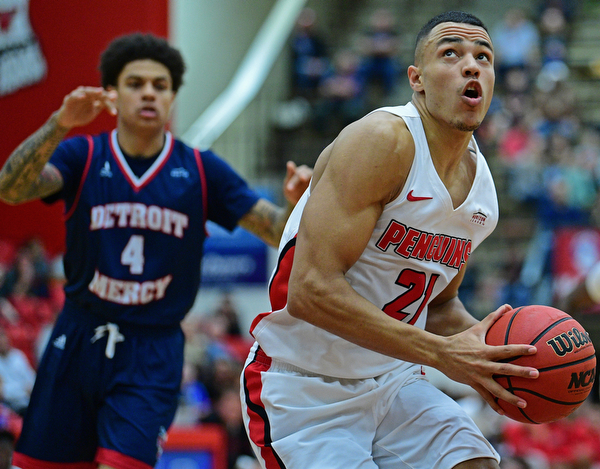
{"x":469,"y":360}
{"x":82,"y":106}
{"x":296,"y":181}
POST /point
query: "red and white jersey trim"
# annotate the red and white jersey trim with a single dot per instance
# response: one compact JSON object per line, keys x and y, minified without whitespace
{"x":139,"y":182}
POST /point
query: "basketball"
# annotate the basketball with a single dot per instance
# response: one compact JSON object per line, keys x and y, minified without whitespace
{"x":565,"y":359}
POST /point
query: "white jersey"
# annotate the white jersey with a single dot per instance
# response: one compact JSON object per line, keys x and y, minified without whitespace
{"x":419,"y":244}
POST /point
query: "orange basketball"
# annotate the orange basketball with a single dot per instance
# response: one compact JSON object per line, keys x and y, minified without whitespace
{"x":565,"y":359}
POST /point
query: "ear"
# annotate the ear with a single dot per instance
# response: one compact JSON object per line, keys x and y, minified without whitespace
{"x":414,"y":78}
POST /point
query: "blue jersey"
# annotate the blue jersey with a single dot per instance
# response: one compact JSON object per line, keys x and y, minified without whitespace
{"x":134,"y":243}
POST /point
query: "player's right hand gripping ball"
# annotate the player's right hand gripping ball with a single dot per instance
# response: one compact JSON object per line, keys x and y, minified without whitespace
{"x":565,"y":359}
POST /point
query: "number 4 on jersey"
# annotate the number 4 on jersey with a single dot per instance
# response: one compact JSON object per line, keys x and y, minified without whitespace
{"x":133,"y":254}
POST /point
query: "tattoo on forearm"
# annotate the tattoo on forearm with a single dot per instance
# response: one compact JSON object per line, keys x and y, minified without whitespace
{"x":266,"y":221}
{"x":20,"y":177}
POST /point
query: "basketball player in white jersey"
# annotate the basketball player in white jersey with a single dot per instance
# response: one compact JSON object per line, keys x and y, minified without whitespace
{"x":365,"y":291}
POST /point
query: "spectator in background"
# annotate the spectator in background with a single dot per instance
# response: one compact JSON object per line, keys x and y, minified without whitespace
{"x":16,"y":376}
{"x":569,"y":443}
{"x":7,"y":445}
{"x":554,"y":31}
{"x":227,"y":412}
{"x":341,"y":94}
{"x":556,"y":101}
{"x":29,"y":274}
{"x":567,"y":7}
{"x":310,"y":56}
{"x":568,"y":190}
{"x":194,"y":403}
{"x":517,"y":44}
{"x":379,"y":48}
{"x":228,"y":313}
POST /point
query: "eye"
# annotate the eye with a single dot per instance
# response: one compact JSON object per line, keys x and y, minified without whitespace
{"x":161,"y":85}
{"x":483,"y":56}
{"x":134,"y":84}
{"x":449,"y":53}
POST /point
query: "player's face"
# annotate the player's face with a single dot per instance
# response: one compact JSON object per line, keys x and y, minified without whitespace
{"x":456,"y":74}
{"x":145,"y":95}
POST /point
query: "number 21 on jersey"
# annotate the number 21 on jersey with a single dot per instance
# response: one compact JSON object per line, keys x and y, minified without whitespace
{"x":418,"y":289}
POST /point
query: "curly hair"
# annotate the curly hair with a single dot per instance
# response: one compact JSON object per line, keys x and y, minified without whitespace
{"x":138,"y":46}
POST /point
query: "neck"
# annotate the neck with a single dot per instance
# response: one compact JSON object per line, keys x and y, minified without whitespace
{"x":447,"y":144}
{"x":141,"y":144}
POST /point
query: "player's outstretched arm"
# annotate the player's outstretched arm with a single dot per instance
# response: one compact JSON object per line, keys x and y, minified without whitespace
{"x":267,"y":220}
{"x":26,"y":175}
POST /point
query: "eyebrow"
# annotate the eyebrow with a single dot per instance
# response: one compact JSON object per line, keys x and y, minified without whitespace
{"x":455,"y":40}
{"x":135,"y":76}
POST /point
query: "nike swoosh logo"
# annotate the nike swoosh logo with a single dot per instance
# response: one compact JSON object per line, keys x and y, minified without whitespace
{"x":411,"y":198}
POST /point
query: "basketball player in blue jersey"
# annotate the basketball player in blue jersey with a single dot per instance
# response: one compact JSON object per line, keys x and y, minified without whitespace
{"x":136,"y":202}
{"x":366,"y":287}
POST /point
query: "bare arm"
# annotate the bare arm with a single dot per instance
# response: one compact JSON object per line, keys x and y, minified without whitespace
{"x":446,"y":314}
{"x":267,"y":220}
{"x":26,"y":175}
{"x":366,"y":168}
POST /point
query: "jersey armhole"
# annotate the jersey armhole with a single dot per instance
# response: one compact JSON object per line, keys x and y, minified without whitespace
{"x":83,"y":177}
{"x":204,"y":188}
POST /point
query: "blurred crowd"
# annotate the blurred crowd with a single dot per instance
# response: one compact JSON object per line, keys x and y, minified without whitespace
{"x":30,"y":297}
{"x":545,"y":157}
{"x":339,"y":86}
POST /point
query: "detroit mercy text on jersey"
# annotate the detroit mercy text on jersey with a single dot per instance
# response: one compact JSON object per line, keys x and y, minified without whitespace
{"x":419,"y":244}
{"x":135,"y":241}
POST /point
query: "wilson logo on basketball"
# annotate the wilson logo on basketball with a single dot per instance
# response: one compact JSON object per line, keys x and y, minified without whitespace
{"x":569,"y":341}
{"x":582,"y":379}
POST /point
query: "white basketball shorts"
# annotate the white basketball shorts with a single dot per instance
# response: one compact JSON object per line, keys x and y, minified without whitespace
{"x":301,"y":420}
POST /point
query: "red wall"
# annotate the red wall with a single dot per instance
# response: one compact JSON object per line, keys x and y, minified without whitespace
{"x":72,"y":34}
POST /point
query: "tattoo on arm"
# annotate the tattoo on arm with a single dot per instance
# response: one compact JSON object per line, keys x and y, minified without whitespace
{"x":25,"y":175}
{"x":266,"y":220}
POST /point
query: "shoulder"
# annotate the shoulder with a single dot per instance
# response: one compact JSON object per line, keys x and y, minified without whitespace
{"x":380,"y":138}
{"x":78,"y":142}
{"x":375,"y":153}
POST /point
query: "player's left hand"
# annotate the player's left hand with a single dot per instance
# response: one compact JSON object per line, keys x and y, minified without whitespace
{"x":296,"y":181}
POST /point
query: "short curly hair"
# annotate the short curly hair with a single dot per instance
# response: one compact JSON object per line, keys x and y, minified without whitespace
{"x":138,"y":46}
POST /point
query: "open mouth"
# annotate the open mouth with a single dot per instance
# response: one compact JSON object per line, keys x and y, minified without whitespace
{"x":472,"y":90}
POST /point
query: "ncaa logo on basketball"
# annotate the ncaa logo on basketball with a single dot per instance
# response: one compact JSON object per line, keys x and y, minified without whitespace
{"x":583,"y":379}
{"x":569,"y":341}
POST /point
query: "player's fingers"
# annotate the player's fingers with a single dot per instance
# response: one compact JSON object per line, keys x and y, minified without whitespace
{"x":110,"y":98}
{"x":90,"y":92}
{"x":488,"y":397}
{"x":291,"y":178}
{"x":504,"y":353}
{"x":508,"y":369}
{"x":304,"y":173}
{"x":499,"y":392}
{"x":493,"y":316}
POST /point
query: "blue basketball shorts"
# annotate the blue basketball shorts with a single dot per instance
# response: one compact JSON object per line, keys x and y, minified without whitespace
{"x":103,"y":394}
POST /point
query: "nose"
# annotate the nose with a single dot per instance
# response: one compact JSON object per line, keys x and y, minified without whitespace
{"x":470,"y":67}
{"x":148,"y":91}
